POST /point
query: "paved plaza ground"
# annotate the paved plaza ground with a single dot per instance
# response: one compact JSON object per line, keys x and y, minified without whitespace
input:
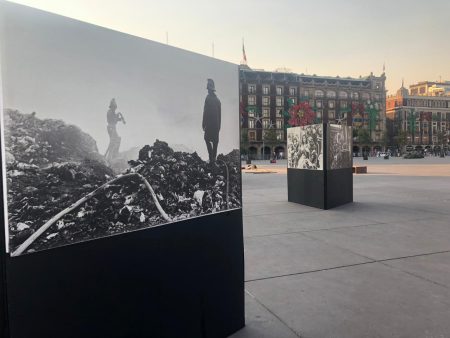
{"x":379,"y":267}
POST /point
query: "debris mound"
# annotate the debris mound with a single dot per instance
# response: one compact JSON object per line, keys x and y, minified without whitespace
{"x":52,"y":165}
{"x":43,"y":141}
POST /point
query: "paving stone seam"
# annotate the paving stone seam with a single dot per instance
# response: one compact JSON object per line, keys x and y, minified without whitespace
{"x":280,"y":213}
{"x":372,"y":261}
{"x":312,"y":230}
{"x":415,"y":275}
{"x":297,"y":334}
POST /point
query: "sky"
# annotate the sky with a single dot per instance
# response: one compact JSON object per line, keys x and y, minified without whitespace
{"x":322,"y":37}
{"x":65,"y":69}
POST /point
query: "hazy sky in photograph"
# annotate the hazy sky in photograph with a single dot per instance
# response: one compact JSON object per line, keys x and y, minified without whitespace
{"x":323,"y":37}
{"x":71,"y":71}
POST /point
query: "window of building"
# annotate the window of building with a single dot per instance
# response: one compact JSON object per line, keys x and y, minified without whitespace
{"x":279,"y":90}
{"x":251,"y":100}
{"x":266,"y":123}
{"x":293,"y":100}
{"x":251,"y":113}
{"x":331,"y":94}
{"x":344,"y":104}
{"x":343,"y":95}
{"x":292,"y":91}
{"x":331,"y":114}
{"x":318,"y":93}
{"x":279,"y":124}
{"x":280,"y":135}
{"x":252,"y":136}
{"x":252,"y":89}
{"x":251,"y":124}
{"x":306,"y":93}
{"x":331,"y":104}
{"x":266,"y":101}
{"x":266,"y":89}
{"x":319,"y":114}
{"x":279,"y":112}
{"x":280,"y":101}
{"x":266,"y":112}
{"x":319,"y":103}
{"x":355,"y":96}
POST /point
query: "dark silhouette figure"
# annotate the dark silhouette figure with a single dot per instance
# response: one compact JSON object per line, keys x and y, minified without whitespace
{"x":211,"y":121}
{"x":114,"y":139}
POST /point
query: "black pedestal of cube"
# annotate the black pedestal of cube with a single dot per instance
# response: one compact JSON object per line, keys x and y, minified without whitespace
{"x":324,"y":189}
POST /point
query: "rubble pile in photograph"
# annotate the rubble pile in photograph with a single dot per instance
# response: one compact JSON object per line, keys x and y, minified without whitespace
{"x":43,"y":141}
{"x":45,"y":180}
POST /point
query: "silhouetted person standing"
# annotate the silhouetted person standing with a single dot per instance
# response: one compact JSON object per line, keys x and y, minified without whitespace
{"x":114,"y":139}
{"x":211,"y":121}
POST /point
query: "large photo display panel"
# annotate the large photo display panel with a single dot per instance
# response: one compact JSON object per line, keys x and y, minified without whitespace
{"x":339,"y":146}
{"x":305,"y":147}
{"x":105,"y":133}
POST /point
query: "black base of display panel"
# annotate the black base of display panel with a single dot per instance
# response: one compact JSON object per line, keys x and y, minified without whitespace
{"x":306,"y":187}
{"x":182,"y":279}
{"x":320,"y":189}
{"x":339,"y":187}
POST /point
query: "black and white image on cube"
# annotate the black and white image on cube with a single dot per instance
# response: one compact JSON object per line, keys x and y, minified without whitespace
{"x":339,"y":151}
{"x":305,"y":147}
{"x":104,"y":133}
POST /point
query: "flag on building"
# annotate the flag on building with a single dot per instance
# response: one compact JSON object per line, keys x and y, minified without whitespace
{"x":243,"y":53}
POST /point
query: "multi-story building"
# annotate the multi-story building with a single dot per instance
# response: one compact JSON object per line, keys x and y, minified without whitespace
{"x":266,"y":97}
{"x":429,"y":88}
{"x":424,"y":118}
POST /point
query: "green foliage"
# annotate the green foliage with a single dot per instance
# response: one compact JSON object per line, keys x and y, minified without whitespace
{"x":401,"y":139}
{"x":442,"y":137}
{"x":364,"y":136}
{"x":244,"y":141}
{"x":270,"y":137}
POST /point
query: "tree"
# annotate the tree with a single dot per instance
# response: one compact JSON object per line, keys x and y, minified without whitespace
{"x":385,"y":139}
{"x":244,"y":141}
{"x":364,"y":137}
{"x":401,"y":139}
{"x":270,"y":137}
{"x":442,"y":140}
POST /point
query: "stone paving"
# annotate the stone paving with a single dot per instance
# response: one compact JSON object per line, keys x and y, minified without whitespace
{"x":379,"y":267}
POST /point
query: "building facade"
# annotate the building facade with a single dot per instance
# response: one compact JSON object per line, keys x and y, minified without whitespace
{"x":429,"y":88}
{"x":265,"y":99}
{"x":423,"y":119}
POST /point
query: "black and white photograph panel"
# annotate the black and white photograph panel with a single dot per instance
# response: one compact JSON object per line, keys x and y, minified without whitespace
{"x":305,"y":147}
{"x":106,"y":133}
{"x":339,"y":151}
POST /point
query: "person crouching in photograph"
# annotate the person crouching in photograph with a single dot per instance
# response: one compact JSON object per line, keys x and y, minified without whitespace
{"x":211,"y":121}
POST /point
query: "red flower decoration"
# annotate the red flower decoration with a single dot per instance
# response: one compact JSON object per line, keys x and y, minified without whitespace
{"x":301,"y":114}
